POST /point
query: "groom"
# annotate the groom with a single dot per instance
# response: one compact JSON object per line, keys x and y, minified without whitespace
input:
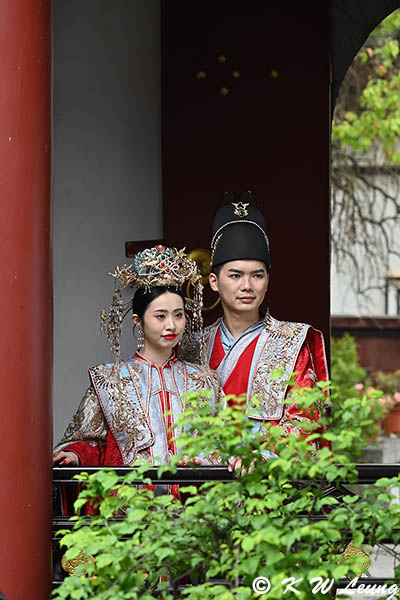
{"x":245,"y":346}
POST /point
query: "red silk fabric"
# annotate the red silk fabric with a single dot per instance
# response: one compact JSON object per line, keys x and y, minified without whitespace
{"x":238,"y":380}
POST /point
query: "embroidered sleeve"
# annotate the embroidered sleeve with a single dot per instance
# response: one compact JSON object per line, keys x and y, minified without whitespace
{"x":119,"y":391}
{"x":203,"y":378}
{"x":213,"y":384}
{"x":87,"y":426}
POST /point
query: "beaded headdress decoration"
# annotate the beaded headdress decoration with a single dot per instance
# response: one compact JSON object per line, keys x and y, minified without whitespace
{"x":157,"y":266}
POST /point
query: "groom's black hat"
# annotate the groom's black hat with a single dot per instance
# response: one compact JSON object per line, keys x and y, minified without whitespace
{"x":239,"y":230}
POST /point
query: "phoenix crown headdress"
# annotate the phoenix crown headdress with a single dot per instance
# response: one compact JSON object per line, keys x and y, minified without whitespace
{"x":157,"y":266}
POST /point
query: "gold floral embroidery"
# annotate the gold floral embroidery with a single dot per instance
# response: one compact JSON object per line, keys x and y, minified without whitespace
{"x":127,"y":419}
{"x":88,"y":423}
{"x":120,"y":398}
{"x":281,"y":350}
{"x":203,"y":377}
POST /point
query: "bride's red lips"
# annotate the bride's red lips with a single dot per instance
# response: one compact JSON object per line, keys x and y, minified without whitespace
{"x":170,"y":336}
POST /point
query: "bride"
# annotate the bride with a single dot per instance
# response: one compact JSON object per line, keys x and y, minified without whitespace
{"x":127,"y":412}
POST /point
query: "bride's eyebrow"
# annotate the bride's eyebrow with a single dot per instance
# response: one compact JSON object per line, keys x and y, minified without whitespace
{"x":164,"y":310}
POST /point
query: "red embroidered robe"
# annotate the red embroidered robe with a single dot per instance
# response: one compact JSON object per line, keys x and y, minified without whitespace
{"x":245,"y":365}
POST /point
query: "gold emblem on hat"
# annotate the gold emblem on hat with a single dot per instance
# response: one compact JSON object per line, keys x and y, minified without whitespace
{"x":240,"y":209}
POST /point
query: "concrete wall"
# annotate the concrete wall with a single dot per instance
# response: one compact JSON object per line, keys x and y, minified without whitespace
{"x":107,"y":171}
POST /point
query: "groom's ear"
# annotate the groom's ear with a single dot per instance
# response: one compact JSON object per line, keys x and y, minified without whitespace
{"x":213,"y":279}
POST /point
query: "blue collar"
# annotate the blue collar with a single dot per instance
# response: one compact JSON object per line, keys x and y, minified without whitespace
{"x":227,"y":339}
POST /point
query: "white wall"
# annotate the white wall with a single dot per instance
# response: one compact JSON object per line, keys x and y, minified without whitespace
{"x":107,"y":171}
{"x":344,"y":299}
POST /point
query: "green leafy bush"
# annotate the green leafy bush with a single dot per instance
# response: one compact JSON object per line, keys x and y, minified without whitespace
{"x":353,"y":394}
{"x":345,"y":364}
{"x":265,"y":523}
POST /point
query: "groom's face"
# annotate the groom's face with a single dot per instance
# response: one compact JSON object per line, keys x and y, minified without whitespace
{"x":241,"y":284}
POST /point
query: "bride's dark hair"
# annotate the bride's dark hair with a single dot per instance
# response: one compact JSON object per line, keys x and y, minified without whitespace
{"x":142,"y":298}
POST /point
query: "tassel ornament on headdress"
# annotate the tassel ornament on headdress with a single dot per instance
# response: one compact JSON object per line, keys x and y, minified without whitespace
{"x":157,"y":266}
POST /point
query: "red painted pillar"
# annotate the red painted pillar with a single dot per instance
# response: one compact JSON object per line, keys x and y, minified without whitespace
{"x":25,"y":299}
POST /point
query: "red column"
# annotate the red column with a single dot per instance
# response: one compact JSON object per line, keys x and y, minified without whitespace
{"x":25,"y":299}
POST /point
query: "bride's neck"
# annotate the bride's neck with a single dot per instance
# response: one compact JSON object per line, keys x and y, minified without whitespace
{"x":155,"y":356}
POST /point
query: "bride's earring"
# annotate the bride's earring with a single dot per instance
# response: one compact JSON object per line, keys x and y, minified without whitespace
{"x":138,"y":332}
{"x":139,"y":336}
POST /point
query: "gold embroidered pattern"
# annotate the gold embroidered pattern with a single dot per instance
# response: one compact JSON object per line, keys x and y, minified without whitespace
{"x":126,"y":419}
{"x":120,"y":399}
{"x":88,"y":423}
{"x":351,"y":550}
{"x":73,"y":563}
{"x":281,"y":350}
{"x":204,"y":378}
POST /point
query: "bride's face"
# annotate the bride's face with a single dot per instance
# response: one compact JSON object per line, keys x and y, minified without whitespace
{"x":164,"y":321}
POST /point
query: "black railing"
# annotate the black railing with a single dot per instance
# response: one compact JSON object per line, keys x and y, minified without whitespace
{"x":367,"y":474}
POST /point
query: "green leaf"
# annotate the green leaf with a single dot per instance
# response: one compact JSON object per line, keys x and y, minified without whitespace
{"x":340,"y":571}
{"x":162,"y":553}
{"x":358,"y":538}
{"x":248,"y":544}
{"x":104,"y":559}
